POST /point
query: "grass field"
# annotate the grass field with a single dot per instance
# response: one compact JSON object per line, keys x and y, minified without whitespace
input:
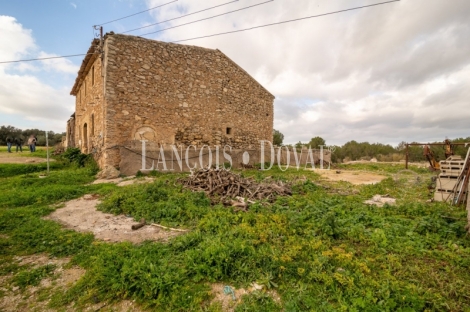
{"x":320,"y":249}
{"x":41,"y":151}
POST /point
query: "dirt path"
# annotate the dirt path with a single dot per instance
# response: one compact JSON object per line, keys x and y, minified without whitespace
{"x":81,"y":215}
{"x":416,"y":164}
{"x":13,"y":158}
{"x":353,"y":177}
{"x":125,"y":181}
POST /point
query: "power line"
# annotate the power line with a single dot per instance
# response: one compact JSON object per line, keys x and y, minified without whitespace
{"x":118,"y":19}
{"x":223,"y":33}
{"x":45,"y":58}
{"x":203,"y":19}
{"x":171,"y":19}
{"x":283,"y":22}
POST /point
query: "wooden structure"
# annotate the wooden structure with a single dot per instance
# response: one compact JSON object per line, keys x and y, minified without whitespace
{"x":448,"y":183}
{"x":407,"y":145}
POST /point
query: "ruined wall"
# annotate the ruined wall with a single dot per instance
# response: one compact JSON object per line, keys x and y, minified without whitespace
{"x":70,"y":133}
{"x":167,"y":160}
{"x":178,"y":94}
{"x":89,"y":122}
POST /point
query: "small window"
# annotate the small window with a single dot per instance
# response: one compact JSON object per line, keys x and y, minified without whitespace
{"x":93,"y":75}
{"x":228,"y":131}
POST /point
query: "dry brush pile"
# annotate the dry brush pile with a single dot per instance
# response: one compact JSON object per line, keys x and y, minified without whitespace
{"x":228,"y":188}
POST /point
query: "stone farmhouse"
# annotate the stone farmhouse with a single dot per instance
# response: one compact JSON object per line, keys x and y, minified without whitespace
{"x":130,"y":89}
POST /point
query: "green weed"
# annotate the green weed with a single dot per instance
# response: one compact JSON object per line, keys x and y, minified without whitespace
{"x":10,"y":170}
{"x":317,"y":249}
{"x":41,"y":151}
{"x":158,"y":202}
{"x":258,"y":301}
{"x":32,"y":277}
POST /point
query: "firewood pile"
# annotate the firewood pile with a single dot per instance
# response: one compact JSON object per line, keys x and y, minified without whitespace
{"x":229,"y":188}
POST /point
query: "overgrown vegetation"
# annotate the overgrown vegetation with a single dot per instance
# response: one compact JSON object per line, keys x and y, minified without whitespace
{"x":74,"y":156}
{"x":317,"y":249}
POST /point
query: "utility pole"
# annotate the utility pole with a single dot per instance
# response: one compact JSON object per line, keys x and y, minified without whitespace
{"x":406,"y":156}
{"x":47,"y":153}
{"x":100,"y":28}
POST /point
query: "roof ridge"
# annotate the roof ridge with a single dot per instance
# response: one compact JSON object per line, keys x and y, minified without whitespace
{"x":91,"y":56}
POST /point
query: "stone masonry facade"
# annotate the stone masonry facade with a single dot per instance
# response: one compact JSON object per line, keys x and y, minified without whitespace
{"x":88,"y":119}
{"x":140,"y":89}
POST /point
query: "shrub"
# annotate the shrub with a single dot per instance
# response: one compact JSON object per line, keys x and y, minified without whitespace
{"x":74,"y":155}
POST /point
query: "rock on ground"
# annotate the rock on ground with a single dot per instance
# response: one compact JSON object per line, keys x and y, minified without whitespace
{"x":108,"y":172}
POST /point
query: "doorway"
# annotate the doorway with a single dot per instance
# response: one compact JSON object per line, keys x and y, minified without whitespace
{"x":85,"y":138}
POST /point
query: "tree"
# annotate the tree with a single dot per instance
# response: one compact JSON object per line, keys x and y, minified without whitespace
{"x":316,"y":142}
{"x":401,"y":146}
{"x":6,"y":131}
{"x":278,"y":137}
{"x":11,"y":131}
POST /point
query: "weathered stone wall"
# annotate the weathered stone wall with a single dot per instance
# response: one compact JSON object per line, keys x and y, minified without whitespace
{"x":70,"y":133}
{"x":89,"y":107}
{"x":166,"y":159}
{"x":179,"y":94}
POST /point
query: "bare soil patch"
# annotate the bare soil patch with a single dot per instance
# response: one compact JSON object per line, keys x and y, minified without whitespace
{"x":16,"y":299}
{"x":125,"y":181}
{"x":36,"y":298}
{"x":353,"y":177}
{"x":122,"y":306}
{"x":40,"y":260}
{"x":81,"y":215}
{"x":381,"y":200}
{"x":226,"y":300}
{"x":7,"y":159}
{"x":416,"y":164}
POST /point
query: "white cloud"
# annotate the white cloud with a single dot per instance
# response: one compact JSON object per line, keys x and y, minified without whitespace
{"x":388,"y":73}
{"x":15,"y":41}
{"x":22,"y":94}
{"x":73,"y":4}
{"x":59,"y":64}
{"x":27,"y":95}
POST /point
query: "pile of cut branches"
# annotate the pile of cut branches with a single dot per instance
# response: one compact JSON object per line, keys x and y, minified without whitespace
{"x":223,"y":186}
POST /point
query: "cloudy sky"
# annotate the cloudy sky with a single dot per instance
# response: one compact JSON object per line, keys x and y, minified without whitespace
{"x":390,"y":73}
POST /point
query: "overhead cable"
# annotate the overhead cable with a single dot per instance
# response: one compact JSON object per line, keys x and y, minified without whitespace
{"x":207,"y":18}
{"x":181,"y":16}
{"x":121,"y":18}
{"x":283,"y":22}
{"x":45,"y":58}
{"x":222,"y":33}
